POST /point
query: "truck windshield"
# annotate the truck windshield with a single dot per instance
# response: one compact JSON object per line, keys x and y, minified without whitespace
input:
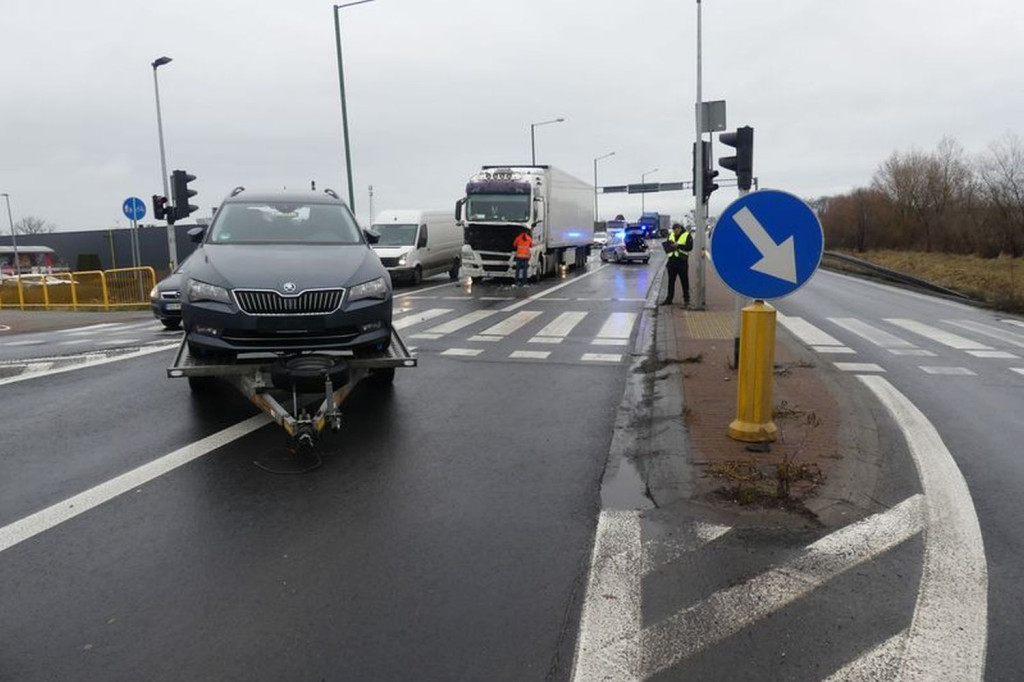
{"x":504,"y":208}
{"x":394,"y":234}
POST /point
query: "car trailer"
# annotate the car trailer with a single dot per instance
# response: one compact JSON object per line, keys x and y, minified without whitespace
{"x":314,"y":383}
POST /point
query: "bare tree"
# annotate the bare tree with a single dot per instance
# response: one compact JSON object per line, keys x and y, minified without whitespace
{"x":1001,"y":174}
{"x":33,"y":225}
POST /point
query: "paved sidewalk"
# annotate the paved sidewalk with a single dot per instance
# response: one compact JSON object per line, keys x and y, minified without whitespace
{"x":807,"y":455}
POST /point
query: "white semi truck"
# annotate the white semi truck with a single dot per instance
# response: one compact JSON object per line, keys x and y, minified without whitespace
{"x":502,"y":200}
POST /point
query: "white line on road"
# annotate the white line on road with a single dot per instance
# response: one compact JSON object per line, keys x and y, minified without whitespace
{"x":23,"y":343}
{"x":416,"y":318}
{"x":938,"y":335}
{"x":512,"y":324}
{"x":416,"y":293}
{"x":807,"y":332}
{"x":858,"y":367}
{"x":88,"y":328}
{"x":530,"y":354}
{"x":840,"y":350}
{"x":601,"y":357}
{"x":47,"y":518}
{"x":993,"y":332}
{"x":994,"y":354}
{"x":877,"y":336}
{"x":617,"y":326}
{"x":948,"y":371}
{"x":542,"y":294}
{"x":93,"y":362}
{"x":561,"y":326}
{"x":463,"y":352}
{"x":948,"y":635}
{"x":460,"y":322}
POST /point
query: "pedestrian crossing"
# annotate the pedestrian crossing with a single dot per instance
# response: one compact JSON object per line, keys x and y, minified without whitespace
{"x":943,"y":347}
{"x":553,"y":336}
{"x":105,"y":335}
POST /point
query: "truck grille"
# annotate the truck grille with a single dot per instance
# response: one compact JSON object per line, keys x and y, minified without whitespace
{"x":310,"y":302}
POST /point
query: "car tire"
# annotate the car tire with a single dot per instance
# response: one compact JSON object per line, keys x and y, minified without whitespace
{"x":417,"y":275}
{"x":171,"y":324}
{"x":305,"y":373}
{"x":453,"y":273}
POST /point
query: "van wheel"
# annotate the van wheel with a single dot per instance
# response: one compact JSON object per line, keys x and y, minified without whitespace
{"x":417,"y":275}
{"x":454,"y":272}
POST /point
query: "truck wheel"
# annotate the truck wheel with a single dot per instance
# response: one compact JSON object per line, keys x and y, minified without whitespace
{"x":417,"y":275}
{"x":454,"y":272}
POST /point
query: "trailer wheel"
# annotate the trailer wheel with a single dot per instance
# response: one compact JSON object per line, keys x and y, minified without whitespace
{"x":382,"y":376}
{"x":201,"y":385}
{"x":305,"y":373}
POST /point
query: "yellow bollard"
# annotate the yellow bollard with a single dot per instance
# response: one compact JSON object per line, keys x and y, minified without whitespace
{"x":753,"y":423}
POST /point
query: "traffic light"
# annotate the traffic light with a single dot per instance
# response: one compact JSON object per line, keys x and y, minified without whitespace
{"x":709,"y":174}
{"x":160,"y":211}
{"x":743,"y":163}
{"x":181,"y":193}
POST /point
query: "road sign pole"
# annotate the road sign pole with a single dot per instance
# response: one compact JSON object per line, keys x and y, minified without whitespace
{"x":699,"y":214}
{"x":741,"y":302}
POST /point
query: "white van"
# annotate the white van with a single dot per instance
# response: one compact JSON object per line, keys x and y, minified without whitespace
{"x":416,"y":244}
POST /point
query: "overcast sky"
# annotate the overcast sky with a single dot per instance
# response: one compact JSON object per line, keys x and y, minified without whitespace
{"x":438,"y":87}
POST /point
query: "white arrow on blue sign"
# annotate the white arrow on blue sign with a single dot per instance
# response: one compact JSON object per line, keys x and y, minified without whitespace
{"x":134,"y":208}
{"x":767,"y":244}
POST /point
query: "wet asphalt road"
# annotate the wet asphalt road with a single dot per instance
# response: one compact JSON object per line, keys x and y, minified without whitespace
{"x":446,"y":536}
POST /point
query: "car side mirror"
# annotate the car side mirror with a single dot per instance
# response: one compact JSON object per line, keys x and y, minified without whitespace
{"x":196,"y":234}
{"x":538,"y":211}
{"x":371,"y":236}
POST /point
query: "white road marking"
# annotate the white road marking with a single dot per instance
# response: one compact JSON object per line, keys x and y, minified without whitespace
{"x":425,"y":335}
{"x":36,"y":367}
{"x":416,"y":318}
{"x":12,"y":344}
{"x":877,"y":336}
{"x":948,"y":635}
{"x":610,"y":342}
{"x":1018,"y":370}
{"x":497,"y":298}
{"x":612,"y":605}
{"x":460,"y":322}
{"x":545,"y":339}
{"x":418,"y":292}
{"x":485,"y":339}
{"x":112,"y":342}
{"x":858,"y":367}
{"x":561,"y":326}
{"x":949,"y":371}
{"x":512,"y":324}
{"x":93,"y":362}
{"x":834,"y":349}
{"x":463,"y":352}
{"x":530,"y":354}
{"x":993,"y":332}
{"x":601,"y":357}
{"x":918,"y":352}
{"x":45,"y":519}
{"x":732,"y":609}
{"x":542,"y":294}
{"x":617,"y":326}
{"x":807,"y":332}
{"x":87,"y":329}
{"x":994,"y":354}
{"x":1019,"y":323}
{"x":938,"y":335}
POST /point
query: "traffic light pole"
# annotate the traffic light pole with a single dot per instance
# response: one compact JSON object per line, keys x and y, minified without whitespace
{"x":172,"y":246}
{"x":700,"y":209}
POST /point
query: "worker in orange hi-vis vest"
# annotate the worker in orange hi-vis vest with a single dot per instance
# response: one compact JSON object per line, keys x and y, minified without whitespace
{"x":523,"y":244}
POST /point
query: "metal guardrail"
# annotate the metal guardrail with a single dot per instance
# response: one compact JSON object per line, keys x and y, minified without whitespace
{"x":876,"y":271}
{"x":84,"y":290}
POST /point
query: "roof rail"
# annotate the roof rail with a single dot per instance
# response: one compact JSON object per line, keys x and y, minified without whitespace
{"x":330,"y":192}
{"x":238,"y":190}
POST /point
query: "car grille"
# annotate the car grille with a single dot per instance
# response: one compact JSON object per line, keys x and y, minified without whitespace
{"x":170,"y":295}
{"x":389,"y":262}
{"x":310,"y":302}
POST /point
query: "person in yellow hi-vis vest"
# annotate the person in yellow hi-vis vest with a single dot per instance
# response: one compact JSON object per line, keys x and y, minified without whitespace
{"x":678,"y":247}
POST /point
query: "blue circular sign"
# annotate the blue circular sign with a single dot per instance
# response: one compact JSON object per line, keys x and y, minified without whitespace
{"x":134,"y":208}
{"x":767,"y":244}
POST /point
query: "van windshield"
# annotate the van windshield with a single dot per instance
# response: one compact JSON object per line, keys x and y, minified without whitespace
{"x":394,"y":234}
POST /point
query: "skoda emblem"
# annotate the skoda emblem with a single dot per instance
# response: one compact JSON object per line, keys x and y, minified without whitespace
{"x":289,"y":287}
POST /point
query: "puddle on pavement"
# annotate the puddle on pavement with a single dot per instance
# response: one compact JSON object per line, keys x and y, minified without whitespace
{"x":624,"y":489}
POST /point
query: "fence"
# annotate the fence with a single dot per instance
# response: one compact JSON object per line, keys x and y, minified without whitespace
{"x":87,"y":290}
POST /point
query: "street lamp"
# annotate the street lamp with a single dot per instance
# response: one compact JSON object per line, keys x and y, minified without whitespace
{"x":595,"y":181}
{"x":14,"y":237}
{"x":172,"y":248}
{"x":344,"y":111}
{"x":642,"y":193}
{"x":533,"y":148}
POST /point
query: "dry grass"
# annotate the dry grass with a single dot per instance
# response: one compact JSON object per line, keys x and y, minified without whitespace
{"x":997,"y":281}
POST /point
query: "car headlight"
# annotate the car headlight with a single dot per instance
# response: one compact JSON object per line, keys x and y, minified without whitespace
{"x":201,"y":291}
{"x":375,"y":288}
{"x":154,"y":293}
{"x":402,"y":260}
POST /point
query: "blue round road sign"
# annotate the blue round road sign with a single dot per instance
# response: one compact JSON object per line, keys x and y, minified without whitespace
{"x":767,"y":244}
{"x":134,"y":208}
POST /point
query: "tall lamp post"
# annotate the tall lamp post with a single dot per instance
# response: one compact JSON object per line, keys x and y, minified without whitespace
{"x":172,"y":248}
{"x":533,"y":146}
{"x":344,"y":110}
{"x":643,"y":194}
{"x":595,"y":181}
{"x":14,"y":237}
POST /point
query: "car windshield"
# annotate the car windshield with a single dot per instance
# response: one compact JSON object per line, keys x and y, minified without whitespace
{"x":506,"y":208}
{"x":394,"y":234}
{"x":284,"y":223}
